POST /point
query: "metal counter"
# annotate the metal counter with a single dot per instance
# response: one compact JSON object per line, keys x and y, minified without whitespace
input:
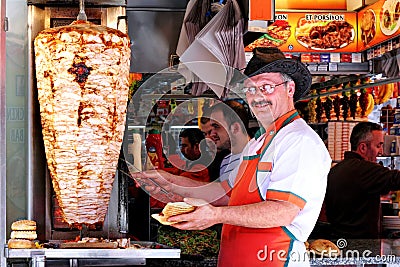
{"x":78,"y":257}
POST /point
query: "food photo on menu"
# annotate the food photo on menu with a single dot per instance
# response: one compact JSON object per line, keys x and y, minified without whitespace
{"x":314,"y":31}
{"x":377,"y":23}
{"x":389,"y":17}
{"x":277,"y":35}
{"x":368,"y":26}
{"x":324,"y":34}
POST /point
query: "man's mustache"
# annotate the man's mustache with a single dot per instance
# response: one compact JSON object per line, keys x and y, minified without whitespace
{"x":263,"y":102}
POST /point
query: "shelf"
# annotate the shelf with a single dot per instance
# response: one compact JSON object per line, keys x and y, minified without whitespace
{"x":362,"y":86}
{"x":131,"y":127}
{"x":343,"y":68}
{"x":340,"y":80}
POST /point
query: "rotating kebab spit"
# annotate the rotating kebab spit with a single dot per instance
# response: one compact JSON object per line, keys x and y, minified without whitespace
{"x":82,"y":72}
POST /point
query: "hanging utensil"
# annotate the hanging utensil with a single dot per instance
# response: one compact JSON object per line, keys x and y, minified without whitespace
{"x":82,"y":14}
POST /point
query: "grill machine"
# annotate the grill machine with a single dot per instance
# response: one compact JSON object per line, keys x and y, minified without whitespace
{"x":42,"y":200}
{"x":128,"y":214}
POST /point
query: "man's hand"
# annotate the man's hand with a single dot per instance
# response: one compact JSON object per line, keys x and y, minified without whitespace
{"x":159,"y":181}
{"x":145,"y":177}
{"x":204,"y":216}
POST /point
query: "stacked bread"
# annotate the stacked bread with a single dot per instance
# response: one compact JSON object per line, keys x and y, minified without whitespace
{"x":22,"y":235}
{"x":172,"y":209}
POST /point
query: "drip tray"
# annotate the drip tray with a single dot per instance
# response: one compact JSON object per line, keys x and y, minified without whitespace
{"x":89,"y":245}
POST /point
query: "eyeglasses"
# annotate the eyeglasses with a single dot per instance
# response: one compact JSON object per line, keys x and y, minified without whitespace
{"x":265,"y":88}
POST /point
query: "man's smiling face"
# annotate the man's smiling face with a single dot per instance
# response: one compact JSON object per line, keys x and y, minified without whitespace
{"x":268,"y":106}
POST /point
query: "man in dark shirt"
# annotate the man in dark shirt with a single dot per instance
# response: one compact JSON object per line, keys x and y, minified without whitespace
{"x":356,"y":184}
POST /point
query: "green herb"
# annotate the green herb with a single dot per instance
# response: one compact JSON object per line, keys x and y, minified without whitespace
{"x":267,"y":36}
{"x":204,"y":242}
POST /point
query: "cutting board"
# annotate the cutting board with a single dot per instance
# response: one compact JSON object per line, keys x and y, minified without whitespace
{"x":89,"y":245}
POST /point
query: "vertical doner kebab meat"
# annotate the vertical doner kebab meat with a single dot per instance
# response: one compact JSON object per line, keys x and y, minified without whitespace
{"x":82,"y":73}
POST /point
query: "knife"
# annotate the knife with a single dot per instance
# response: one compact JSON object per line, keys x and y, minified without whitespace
{"x":141,"y":182}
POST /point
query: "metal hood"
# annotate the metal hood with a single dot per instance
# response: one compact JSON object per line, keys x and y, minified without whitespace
{"x":154,"y":27}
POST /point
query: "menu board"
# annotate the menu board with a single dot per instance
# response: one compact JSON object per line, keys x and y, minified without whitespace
{"x":378,"y":23}
{"x":311,"y":32}
{"x":311,"y":4}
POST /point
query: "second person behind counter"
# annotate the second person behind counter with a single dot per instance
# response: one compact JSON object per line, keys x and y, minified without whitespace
{"x":229,"y":130}
{"x":356,"y":183}
{"x":194,"y":148}
{"x":206,"y":128}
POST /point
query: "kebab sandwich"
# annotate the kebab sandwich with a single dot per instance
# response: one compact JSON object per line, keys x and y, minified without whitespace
{"x":172,"y":209}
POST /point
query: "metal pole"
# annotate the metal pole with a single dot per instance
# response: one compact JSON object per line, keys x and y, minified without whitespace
{"x":82,"y":14}
{"x":3,"y":188}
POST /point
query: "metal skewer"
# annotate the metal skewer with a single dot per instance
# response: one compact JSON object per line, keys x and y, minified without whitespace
{"x":84,"y":232}
{"x":82,"y":14}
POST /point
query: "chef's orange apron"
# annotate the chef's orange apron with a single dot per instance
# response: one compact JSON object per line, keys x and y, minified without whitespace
{"x":243,"y":246}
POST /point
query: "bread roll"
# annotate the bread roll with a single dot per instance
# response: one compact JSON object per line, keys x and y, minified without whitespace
{"x":31,"y":235}
{"x":20,"y":243}
{"x":23,"y":225}
{"x":323,"y":247}
{"x":162,"y":219}
{"x":175,"y":208}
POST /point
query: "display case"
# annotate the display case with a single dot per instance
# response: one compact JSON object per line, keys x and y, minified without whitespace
{"x":392,"y":162}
